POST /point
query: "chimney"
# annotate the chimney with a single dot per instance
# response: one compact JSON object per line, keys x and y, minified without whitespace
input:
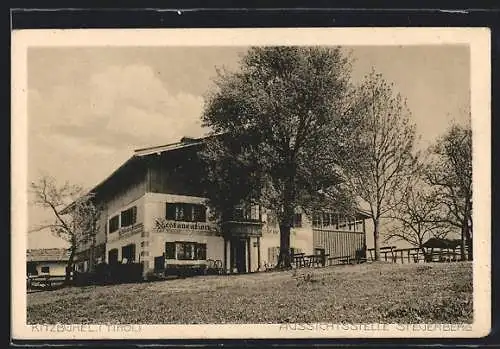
{"x":188,"y":140}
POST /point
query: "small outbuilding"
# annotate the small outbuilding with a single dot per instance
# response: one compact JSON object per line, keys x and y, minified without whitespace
{"x":46,"y":261}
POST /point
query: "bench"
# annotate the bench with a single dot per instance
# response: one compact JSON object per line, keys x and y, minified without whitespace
{"x":300,"y":260}
{"x":318,"y":260}
{"x":339,"y":260}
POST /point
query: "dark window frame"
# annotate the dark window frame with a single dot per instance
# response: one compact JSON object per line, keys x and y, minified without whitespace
{"x":31,"y":268}
{"x":114,"y":223}
{"x":185,"y":212}
{"x":170,"y":248}
{"x":113,"y":252}
{"x":127,"y":248}
{"x":45,"y":269}
{"x":201,"y":251}
{"x":185,"y":250}
{"x":297,"y":220}
{"x":128,"y":217}
{"x":199,"y":213}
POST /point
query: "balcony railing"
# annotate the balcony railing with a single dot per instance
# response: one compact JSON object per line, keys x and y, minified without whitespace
{"x":242,"y":228}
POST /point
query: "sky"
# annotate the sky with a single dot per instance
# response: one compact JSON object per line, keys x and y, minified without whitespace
{"x":89,"y":108}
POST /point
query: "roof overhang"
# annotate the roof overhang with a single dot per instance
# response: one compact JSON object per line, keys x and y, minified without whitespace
{"x":137,"y":156}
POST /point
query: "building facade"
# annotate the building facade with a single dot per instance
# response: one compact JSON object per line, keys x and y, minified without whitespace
{"x":47,"y":261}
{"x":153,"y":211}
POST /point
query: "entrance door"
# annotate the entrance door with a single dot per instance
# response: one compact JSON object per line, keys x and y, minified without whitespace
{"x":239,"y":255}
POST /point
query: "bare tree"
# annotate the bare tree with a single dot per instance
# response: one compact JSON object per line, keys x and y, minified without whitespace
{"x":380,"y":170}
{"x":450,"y":172}
{"x":418,"y":218}
{"x":75,"y":216}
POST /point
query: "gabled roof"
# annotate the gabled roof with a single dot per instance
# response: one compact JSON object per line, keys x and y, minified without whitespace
{"x":184,"y":143}
{"x":363,"y":213}
{"x":138,"y":154}
{"x":47,"y":255}
{"x":442,"y":243}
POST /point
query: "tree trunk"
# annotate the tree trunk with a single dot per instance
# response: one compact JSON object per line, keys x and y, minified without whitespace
{"x":69,"y":266}
{"x":462,"y":239}
{"x":424,"y":253}
{"x":91,"y":258}
{"x":468,"y":241}
{"x":284,"y":258}
{"x":286,"y":222}
{"x":376,"y":238}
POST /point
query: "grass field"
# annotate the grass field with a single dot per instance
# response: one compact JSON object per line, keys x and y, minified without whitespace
{"x":367,"y":293}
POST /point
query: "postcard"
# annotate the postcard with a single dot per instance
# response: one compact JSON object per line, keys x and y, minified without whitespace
{"x":251,"y":183}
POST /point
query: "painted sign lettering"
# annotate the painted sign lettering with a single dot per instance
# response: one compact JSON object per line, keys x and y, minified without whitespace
{"x":163,"y":224}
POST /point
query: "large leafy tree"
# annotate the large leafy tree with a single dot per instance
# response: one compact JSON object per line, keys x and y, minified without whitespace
{"x":74,"y":214}
{"x":281,"y":127}
{"x":382,"y":167}
{"x":450,"y":172}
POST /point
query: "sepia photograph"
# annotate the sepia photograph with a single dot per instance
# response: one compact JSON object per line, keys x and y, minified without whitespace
{"x":258,"y":183}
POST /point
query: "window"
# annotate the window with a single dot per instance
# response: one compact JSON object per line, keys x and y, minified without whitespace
{"x":31,"y":268}
{"x":182,"y":250}
{"x":129,"y":217}
{"x":238,"y":214}
{"x":186,"y":251}
{"x":297,"y":220}
{"x":272,"y":255}
{"x":128,"y":252}
{"x":246,"y":212}
{"x":201,"y":251}
{"x":255,"y":212}
{"x":45,"y":270}
{"x":114,"y":224}
{"x":113,"y":256}
{"x":326,"y":219}
{"x":181,"y":213}
{"x":186,"y":212}
{"x":199,"y":213}
{"x":170,"y":250}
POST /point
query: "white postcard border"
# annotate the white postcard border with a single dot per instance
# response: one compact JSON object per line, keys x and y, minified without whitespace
{"x":478,"y":40}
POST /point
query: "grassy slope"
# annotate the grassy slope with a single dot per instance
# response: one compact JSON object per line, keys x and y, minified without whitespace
{"x":414,"y":293}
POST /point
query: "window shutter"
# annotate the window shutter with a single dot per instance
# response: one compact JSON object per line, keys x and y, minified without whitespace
{"x":170,"y":250}
{"x":114,"y":224}
{"x":170,"y":211}
{"x":134,"y":214}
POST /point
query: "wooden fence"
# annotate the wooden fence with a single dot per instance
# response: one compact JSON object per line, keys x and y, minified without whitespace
{"x":339,"y":243}
{"x":416,"y":255}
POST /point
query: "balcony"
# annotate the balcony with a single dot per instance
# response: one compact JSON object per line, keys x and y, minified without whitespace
{"x":237,"y":228}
